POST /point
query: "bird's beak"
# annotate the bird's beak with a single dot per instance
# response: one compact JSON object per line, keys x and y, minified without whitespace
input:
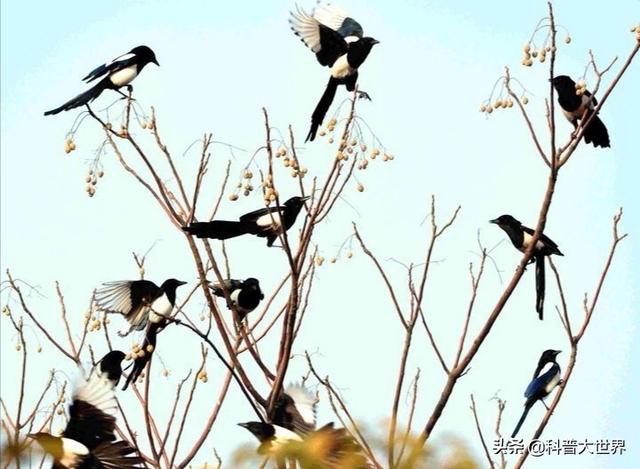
{"x":244,"y":425}
{"x":375,"y":41}
{"x":31,"y":435}
{"x":180,"y":283}
{"x":155,"y":61}
{"x":304,"y":199}
{"x":494,"y":221}
{"x":558,"y":352}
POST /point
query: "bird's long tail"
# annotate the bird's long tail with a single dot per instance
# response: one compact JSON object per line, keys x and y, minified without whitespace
{"x":596,"y":133}
{"x":147,"y":347}
{"x":527,"y":408}
{"x":80,"y":100}
{"x":220,"y":229}
{"x":540,"y":285}
{"x":322,"y":107}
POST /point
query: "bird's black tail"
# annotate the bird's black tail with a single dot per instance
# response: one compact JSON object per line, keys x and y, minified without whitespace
{"x":540,"y":285}
{"x":597,"y":133}
{"x":81,"y":99}
{"x":322,"y":107}
{"x":221,"y":229}
{"x":527,"y":408}
{"x":116,"y":454}
{"x":148,"y":346}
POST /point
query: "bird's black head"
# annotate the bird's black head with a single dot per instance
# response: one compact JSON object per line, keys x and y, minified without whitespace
{"x":549,"y":356}
{"x":171,"y":284}
{"x":564,"y":83}
{"x":111,"y":364}
{"x":262,"y":431}
{"x":254,"y":284}
{"x":145,"y":54}
{"x":504,"y":221}
{"x":296,"y":202}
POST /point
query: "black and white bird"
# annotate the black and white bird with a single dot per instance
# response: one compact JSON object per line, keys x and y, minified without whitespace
{"x":120,"y":72}
{"x":245,"y":295}
{"x":339,"y":43}
{"x":545,"y":379}
{"x":268,"y":222}
{"x":293,"y":422}
{"x":139,"y":301}
{"x":521,"y":237}
{"x":111,"y":366}
{"x":88,"y":441}
{"x":576,"y":107}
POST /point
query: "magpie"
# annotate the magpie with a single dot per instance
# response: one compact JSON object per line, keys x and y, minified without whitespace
{"x":574,"y":108}
{"x":339,"y":43}
{"x":266,"y":222}
{"x":147,"y":347}
{"x":120,"y":72}
{"x":245,"y":295}
{"x":521,"y":236}
{"x":88,"y":441}
{"x":545,"y":378}
{"x":111,"y":366}
{"x":139,"y":301}
{"x":293,"y":422}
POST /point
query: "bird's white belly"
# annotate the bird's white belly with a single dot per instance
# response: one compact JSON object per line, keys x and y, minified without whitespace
{"x":71,"y":450}
{"x":125,"y":76}
{"x":159,"y":308}
{"x":234,"y":296}
{"x":268,"y":219}
{"x":552,"y":383}
{"x":526,"y":241}
{"x":341,"y":68}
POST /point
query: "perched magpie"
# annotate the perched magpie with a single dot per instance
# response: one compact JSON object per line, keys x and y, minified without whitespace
{"x":574,"y":107}
{"x":338,"y":42}
{"x":115,"y":74}
{"x":521,"y":236}
{"x":139,"y":301}
{"x":88,"y":441}
{"x":265,"y":223}
{"x":545,"y":379}
{"x":245,"y":295}
{"x":111,"y":366}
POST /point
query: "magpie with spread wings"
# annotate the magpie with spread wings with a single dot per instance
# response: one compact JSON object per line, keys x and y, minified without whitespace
{"x":339,"y":43}
{"x":120,"y":72}
{"x":88,"y":441}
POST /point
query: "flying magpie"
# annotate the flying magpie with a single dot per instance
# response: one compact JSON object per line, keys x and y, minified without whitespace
{"x":139,"y":301}
{"x":266,"y":222}
{"x":293,"y":422}
{"x":245,"y":295}
{"x":88,"y":441}
{"x":115,"y":74}
{"x":338,"y":42}
{"x":545,"y":379}
{"x":574,"y":107}
{"x":521,"y":236}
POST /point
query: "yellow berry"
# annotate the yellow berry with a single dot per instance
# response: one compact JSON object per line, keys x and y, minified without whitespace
{"x":567,"y":40}
{"x":150,"y":348}
{"x":525,"y":100}
{"x":360,"y":187}
{"x":349,"y":254}
{"x":233,"y":197}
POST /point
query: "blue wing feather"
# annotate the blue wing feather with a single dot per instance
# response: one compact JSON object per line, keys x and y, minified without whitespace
{"x":538,"y":384}
{"x":116,"y":64}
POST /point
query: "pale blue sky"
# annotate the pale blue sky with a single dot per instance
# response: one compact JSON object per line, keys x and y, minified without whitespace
{"x":222,"y":61}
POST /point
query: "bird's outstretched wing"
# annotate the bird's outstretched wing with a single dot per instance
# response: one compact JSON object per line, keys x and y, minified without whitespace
{"x":117,"y":455}
{"x":325,"y":42}
{"x":295,"y":410}
{"x":336,"y":18}
{"x":116,"y":64}
{"x":92,"y":413}
{"x":129,"y":298}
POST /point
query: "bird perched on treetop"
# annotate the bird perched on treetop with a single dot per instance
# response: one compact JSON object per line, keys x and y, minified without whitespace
{"x":339,"y":43}
{"x":545,"y":379}
{"x":139,"y":301}
{"x":266,"y":222}
{"x":115,"y":74}
{"x":245,"y":295}
{"x":521,"y":236}
{"x":579,"y":107}
{"x":88,"y":441}
{"x":292,"y":433}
